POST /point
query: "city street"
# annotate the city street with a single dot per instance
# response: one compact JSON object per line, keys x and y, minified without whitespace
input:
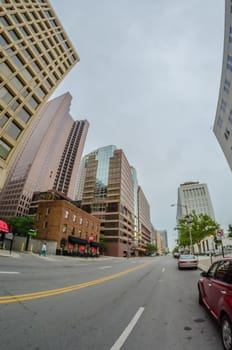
{"x":107,"y":304}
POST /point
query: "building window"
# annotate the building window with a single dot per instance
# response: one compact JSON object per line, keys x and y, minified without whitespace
{"x":81,"y":221}
{"x":4,"y":150}
{"x":73,"y":231}
{"x":3,"y":40}
{"x":6,"y":69}
{"x":65,"y":228}
{"x":3,"y":119}
{"x":74,"y":218}
{"x":6,"y":95}
{"x":14,"y":131}
{"x":17,"y":83}
{"x":24,"y":115}
{"x":219,"y":121}
{"x":48,"y":210}
{"x":66,"y":214}
{"x":45,"y":224}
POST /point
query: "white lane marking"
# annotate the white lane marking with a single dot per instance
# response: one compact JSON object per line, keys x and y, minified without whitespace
{"x":125,"y":334}
{"x":105,"y":267}
{"x":163,"y":269}
{"x":13,"y":272}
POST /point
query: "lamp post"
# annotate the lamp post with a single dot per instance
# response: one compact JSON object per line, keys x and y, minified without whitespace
{"x":188,"y":221}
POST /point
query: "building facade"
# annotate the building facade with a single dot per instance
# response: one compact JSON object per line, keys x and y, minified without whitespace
{"x":223,"y":120}
{"x":194,"y":196}
{"x":108,"y":189}
{"x":59,"y":219}
{"x":144,"y":221}
{"x":48,"y":158}
{"x":108,"y":194}
{"x":36,"y":56}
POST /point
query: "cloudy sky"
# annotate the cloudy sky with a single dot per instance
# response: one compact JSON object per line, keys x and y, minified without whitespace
{"x":148,"y":82}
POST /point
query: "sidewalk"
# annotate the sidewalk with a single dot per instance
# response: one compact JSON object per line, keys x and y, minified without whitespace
{"x":13,"y":254}
{"x":4,"y":252}
{"x":205,"y":261}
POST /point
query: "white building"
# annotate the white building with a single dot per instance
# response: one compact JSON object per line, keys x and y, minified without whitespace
{"x":223,"y":120}
{"x":194,"y":196}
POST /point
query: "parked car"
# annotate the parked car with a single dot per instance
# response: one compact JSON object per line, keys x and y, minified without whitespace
{"x":176,"y":255}
{"x":215,"y":292}
{"x":187,"y":261}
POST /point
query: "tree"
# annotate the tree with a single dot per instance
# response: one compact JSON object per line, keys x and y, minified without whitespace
{"x":151,"y":248}
{"x":20,"y":224}
{"x":201,"y":226}
{"x":230,"y":230}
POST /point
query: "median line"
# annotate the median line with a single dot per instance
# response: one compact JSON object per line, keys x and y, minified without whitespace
{"x":47,"y":293}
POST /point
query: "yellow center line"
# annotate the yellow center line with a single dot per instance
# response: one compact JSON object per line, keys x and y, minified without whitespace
{"x":47,"y":293}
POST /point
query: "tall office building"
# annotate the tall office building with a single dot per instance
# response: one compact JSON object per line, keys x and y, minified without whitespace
{"x":36,"y":55}
{"x":223,"y":120}
{"x":48,"y":158}
{"x":194,"y":196}
{"x":107,"y":193}
{"x":108,"y":189}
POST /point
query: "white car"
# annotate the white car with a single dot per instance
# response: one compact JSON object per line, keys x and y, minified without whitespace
{"x":187,"y":261}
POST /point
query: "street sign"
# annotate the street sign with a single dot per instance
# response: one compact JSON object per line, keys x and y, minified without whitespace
{"x":219,"y":234}
{"x":32,"y":232}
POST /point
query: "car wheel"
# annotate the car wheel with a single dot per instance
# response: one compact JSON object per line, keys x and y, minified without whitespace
{"x":226,"y":330}
{"x":200,"y":300}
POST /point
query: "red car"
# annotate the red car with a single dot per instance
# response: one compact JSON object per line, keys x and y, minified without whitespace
{"x":215,"y":291}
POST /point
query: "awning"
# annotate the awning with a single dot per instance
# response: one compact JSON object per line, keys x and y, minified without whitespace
{"x":77,"y":240}
{"x":4,"y":227}
{"x":94,"y":244}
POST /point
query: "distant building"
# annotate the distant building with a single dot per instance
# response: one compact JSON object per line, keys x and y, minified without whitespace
{"x":48,"y":158}
{"x":144,"y":219}
{"x":223,"y":120}
{"x":36,"y":54}
{"x":59,"y":219}
{"x":194,"y":196}
{"x":108,"y":189}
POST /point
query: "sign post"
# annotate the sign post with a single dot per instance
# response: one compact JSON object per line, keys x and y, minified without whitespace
{"x":219,"y":236}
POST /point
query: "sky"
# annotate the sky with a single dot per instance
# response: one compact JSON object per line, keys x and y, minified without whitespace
{"x":148,"y":82}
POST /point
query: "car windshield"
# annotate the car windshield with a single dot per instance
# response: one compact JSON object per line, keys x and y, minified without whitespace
{"x":187,"y":257}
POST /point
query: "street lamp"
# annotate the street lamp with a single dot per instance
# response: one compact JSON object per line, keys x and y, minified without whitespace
{"x":188,"y":221}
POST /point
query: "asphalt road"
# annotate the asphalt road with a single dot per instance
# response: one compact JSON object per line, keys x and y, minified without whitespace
{"x":58,"y":303}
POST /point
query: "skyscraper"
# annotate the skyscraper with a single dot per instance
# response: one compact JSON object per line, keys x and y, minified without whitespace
{"x":108,"y":189}
{"x":48,"y":157}
{"x":194,"y":196}
{"x":108,"y":194}
{"x":223,"y":120}
{"x":36,"y":55}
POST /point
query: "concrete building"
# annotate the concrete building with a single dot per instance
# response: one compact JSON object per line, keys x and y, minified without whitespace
{"x":223,"y":120}
{"x":36,"y":55}
{"x":194,"y":196}
{"x":144,"y":221}
{"x":109,"y":192}
{"x":48,"y":158}
{"x":59,"y":219}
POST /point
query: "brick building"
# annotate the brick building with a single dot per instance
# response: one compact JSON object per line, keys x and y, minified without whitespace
{"x":59,"y":219}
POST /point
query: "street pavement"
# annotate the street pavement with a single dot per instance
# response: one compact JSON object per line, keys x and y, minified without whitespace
{"x":204,"y":261}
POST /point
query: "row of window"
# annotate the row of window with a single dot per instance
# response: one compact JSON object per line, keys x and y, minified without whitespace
{"x":74,"y":218}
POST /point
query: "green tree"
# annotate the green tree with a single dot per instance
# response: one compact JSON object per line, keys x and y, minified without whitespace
{"x":201,"y":226}
{"x":230,"y":230}
{"x":20,"y":224}
{"x":151,"y":248}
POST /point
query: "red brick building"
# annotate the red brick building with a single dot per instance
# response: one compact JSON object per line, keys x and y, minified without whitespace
{"x":58,"y":219}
